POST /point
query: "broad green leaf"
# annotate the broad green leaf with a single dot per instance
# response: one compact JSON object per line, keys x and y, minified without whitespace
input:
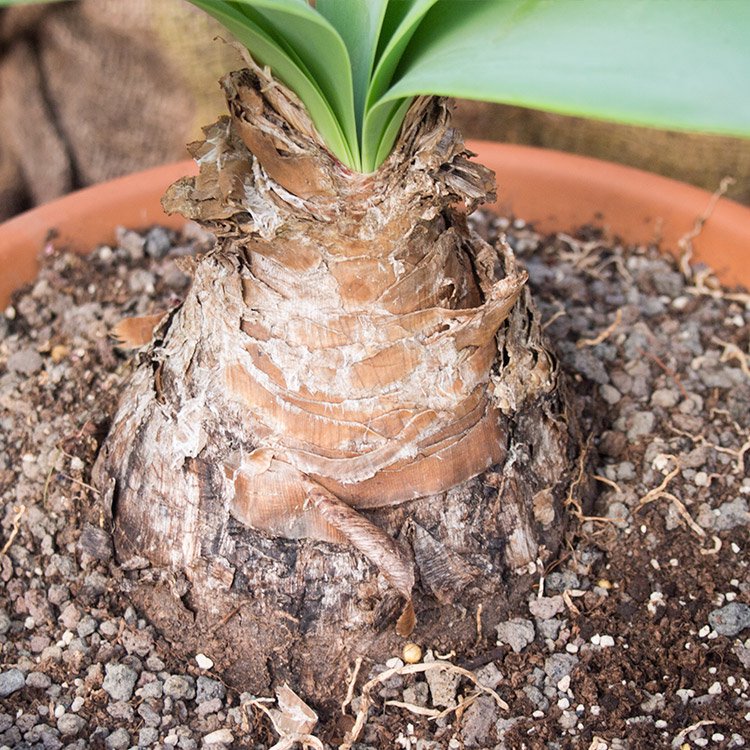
{"x":682,"y":64}
{"x":391,"y":131}
{"x":264,"y":47}
{"x":320,"y":47}
{"x":359,"y":23}
{"x":401,"y":21}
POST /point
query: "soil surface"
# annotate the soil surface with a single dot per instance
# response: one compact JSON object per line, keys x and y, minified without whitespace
{"x":637,"y":637}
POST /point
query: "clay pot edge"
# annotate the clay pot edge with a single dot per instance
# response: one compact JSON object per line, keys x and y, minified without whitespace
{"x":555,"y":190}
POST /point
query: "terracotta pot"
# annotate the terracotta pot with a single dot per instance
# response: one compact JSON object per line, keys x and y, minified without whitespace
{"x":557,"y":191}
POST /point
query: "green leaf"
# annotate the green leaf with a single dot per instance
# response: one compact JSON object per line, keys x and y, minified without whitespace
{"x":401,"y":21}
{"x":681,"y":64}
{"x":356,"y":64}
{"x":321,"y":49}
{"x":264,"y":45}
{"x":390,"y":131}
{"x":359,"y":23}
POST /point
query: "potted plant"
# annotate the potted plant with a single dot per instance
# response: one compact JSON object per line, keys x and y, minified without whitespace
{"x":350,"y":354}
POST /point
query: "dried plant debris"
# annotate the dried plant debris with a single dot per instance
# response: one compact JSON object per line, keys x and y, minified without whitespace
{"x":637,"y":637}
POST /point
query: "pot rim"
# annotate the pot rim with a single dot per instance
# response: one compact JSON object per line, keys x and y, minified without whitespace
{"x":552,"y":189}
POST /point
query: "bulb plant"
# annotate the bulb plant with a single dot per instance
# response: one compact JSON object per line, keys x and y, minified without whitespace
{"x":352,"y":362}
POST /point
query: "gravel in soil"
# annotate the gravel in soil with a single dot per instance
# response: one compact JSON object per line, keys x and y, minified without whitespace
{"x":637,"y":637}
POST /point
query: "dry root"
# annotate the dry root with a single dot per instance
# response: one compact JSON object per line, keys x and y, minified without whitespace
{"x":366,"y":699}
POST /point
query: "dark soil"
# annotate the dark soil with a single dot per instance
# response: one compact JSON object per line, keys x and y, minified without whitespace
{"x":637,"y":637}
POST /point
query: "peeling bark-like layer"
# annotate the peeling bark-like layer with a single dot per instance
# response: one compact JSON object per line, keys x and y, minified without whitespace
{"x":352,"y":404}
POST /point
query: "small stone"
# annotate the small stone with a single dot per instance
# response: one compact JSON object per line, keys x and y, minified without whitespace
{"x":536,"y":697}
{"x":70,"y":616}
{"x":147,"y":736}
{"x":52,"y":653}
{"x":208,"y":689}
{"x":154,"y":689}
{"x":203,"y":661}
{"x":417,"y":694}
{"x":25,"y":361}
{"x":478,"y":721}
{"x":557,"y":666}
{"x":109,"y":628}
{"x":139,"y":642}
{"x":685,"y":694}
{"x":546,"y":607}
{"x":131,"y":242}
{"x":731,"y":619}
{"x":610,"y":394}
{"x":606,"y":641}
{"x":179,"y":687}
{"x":121,"y":710}
{"x":69,"y":725}
{"x":118,"y":740}
{"x":489,"y":676}
{"x":142,"y":281}
{"x":517,"y":633}
{"x":640,"y":423}
{"x":38,"y":680}
{"x":150,"y":717}
{"x":443,"y":685}
{"x":714,"y":689}
{"x":564,"y":684}
{"x":158,"y":242}
{"x":119,"y":681}
{"x":10,"y":682}
{"x":26,"y":721}
{"x":219,"y":737}
{"x":94,"y":544}
{"x":561,"y":580}
{"x":154,"y":663}
{"x":653,"y":704}
{"x":665,"y":397}
{"x":619,"y":513}
{"x":701,"y":479}
{"x":732,"y":514}
{"x":86,"y":627}
{"x":210,"y":707}
{"x":549,"y":628}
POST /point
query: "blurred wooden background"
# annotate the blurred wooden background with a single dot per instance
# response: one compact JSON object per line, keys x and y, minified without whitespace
{"x":93,"y":89}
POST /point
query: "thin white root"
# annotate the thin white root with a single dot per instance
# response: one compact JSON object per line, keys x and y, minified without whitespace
{"x":352,"y":683}
{"x":605,"y":334}
{"x":366,"y":699}
{"x":19,"y":510}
